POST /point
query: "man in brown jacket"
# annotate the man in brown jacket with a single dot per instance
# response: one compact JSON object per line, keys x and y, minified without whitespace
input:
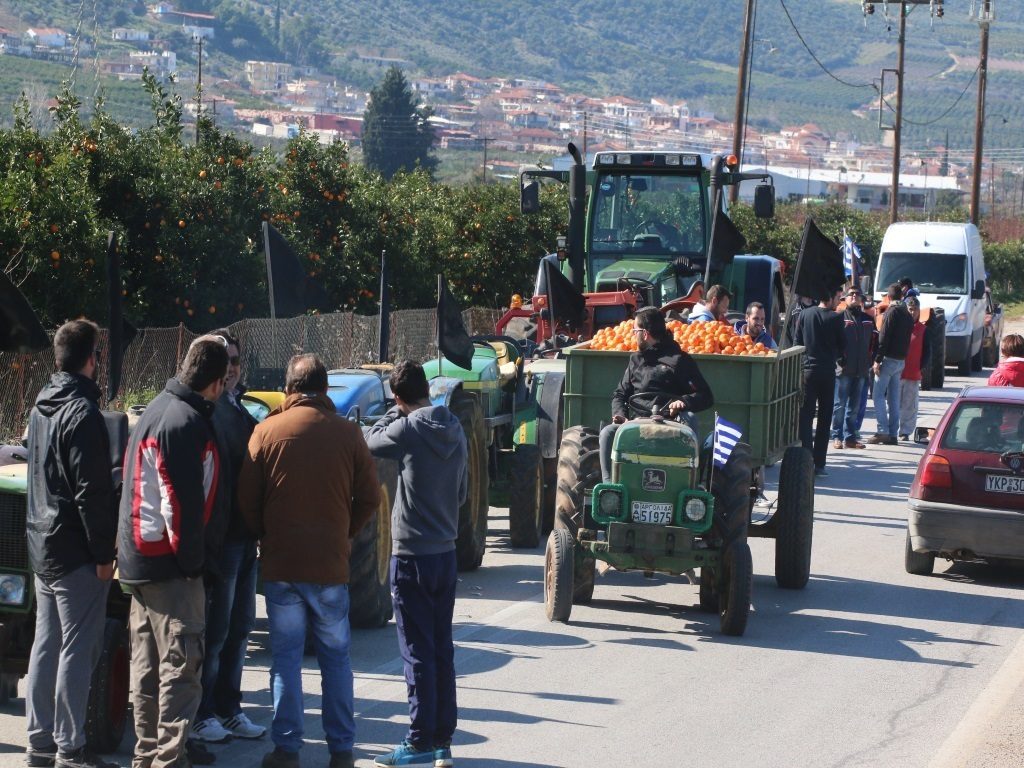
{"x":308,"y":485}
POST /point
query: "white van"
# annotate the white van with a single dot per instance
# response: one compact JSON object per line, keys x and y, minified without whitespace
{"x":947,"y":266}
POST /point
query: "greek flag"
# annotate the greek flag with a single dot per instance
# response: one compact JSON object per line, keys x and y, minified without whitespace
{"x":726,"y":437}
{"x":850,"y":250}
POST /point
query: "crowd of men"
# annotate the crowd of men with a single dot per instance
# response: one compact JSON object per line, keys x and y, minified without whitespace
{"x":206,"y":488}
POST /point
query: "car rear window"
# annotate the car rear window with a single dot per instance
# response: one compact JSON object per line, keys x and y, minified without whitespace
{"x":988,"y":427}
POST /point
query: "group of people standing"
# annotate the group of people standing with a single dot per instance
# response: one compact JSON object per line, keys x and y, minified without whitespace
{"x":207,"y":493}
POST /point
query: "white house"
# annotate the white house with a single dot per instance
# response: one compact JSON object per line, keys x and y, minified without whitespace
{"x":126,"y":35}
{"x":51,"y":37}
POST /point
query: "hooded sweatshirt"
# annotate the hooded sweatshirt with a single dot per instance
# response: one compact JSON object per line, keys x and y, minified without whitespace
{"x":1009,"y":373}
{"x":72,"y":510}
{"x":430,"y":448}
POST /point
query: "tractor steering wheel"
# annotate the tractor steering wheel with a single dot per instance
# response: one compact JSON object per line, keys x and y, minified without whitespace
{"x":667,"y":234}
{"x":651,"y":403}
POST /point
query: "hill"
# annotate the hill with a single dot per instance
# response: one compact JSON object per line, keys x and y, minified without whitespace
{"x":640,"y":48}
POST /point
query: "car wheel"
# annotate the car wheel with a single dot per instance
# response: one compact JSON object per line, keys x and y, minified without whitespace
{"x":917,"y":563}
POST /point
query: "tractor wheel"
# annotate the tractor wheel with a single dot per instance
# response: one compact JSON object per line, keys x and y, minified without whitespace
{"x":708,"y":590}
{"x":579,"y":470}
{"x":472,"y":539}
{"x":558,"y":575}
{"x":737,"y":584}
{"x":107,"y":712}
{"x":525,"y":510}
{"x":731,"y":487}
{"x":917,"y":563}
{"x":369,"y":582}
{"x":795,"y":519}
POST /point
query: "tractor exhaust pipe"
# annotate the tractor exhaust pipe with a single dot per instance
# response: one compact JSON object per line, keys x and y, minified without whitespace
{"x":577,"y":217}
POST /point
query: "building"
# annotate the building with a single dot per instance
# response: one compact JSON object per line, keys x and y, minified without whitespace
{"x":126,"y":35}
{"x":267,"y":76}
{"x":48,"y":37}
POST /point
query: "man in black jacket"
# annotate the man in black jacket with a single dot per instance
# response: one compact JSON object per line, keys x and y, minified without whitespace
{"x":891,"y":356}
{"x":171,"y":474}
{"x":71,"y":527}
{"x":860,"y":333}
{"x":661,"y":370}
{"x":820,"y":331}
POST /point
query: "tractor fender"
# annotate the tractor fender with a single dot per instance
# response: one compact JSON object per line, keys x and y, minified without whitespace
{"x":549,"y":427}
{"x":442,"y":389}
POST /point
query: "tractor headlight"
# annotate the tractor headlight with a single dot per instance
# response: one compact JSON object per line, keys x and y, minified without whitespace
{"x":695,"y":510}
{"x":12,"y":589}
{"x":610,"y":503}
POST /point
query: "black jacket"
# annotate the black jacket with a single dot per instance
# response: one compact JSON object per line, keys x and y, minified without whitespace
{"x":172,"y":468}
{"x":72,"y":513}
{"x":820,"y":331}
{"x":666,"y":369}
{"x":894,"y":336}
{"x":234,"y":426}
{"x":860,"y":335}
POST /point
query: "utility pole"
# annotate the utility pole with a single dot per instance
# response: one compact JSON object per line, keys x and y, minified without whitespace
{"x":739,"y":124}
{"x":199,"y":86}
{"x":584,"y":135}
{"x":894,"y":208}
{"x":984,"y":20}
{"x":486,"y":140}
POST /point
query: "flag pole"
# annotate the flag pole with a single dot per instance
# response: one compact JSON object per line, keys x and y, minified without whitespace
{"x":384,"y":315}
{"x":270,"y":287}
{"x":796,"y":278}
{"x":440,"y":314}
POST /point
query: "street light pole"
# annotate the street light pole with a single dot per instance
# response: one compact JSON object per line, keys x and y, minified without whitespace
{"x":741,"y":92}
{"x":984,"y":20}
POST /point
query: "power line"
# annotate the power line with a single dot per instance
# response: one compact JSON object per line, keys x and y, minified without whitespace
{"x":817,"y":61}
{"x":944,"y":114}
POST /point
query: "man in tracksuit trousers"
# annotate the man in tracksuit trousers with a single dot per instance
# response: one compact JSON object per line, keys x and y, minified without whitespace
{"x":430,"y":446}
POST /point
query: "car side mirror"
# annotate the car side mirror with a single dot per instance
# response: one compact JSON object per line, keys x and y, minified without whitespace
{"x":764,"y":201}
{"x":979,"y":290}
{"x":924,"y":434}
{"x":529,"y":197}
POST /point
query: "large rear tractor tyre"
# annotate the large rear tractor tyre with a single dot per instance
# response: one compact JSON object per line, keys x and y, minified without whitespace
{"x":107,"y":712}
{"x":738,"y":583}
{"x":472,"y":538}
{"x":794,"y":526}
{"x":916,"y":563}
{"x":558,"y":575}
{"x":579,"y":470}
{"x":731,"y":487}
{"x":369,"y":581}
{"x":526,"y":496}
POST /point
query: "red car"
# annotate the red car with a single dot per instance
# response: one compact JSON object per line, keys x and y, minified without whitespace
{"x":967,"y":499}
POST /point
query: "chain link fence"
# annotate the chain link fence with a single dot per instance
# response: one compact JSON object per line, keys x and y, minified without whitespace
{"x":341,"y":340}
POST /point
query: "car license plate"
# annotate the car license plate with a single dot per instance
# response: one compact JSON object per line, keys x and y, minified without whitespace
{"x":1004,"y":484}
{"x":652,"y":512}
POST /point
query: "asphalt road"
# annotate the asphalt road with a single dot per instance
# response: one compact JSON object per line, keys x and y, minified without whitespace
{"x":867,"y":666}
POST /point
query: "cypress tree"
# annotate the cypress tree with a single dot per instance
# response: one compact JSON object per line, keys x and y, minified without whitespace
{"x":396,"y":134}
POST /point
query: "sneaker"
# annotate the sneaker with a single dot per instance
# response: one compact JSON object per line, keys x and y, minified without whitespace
{"x":198,"y":753}
{"x":211,"y":731}
{"x":341,"y":760}
{"x":854,"y":443}
{"x":406,"y":753}
{"x":280,"y":758}
{"x":880,"y":439}
{"x":837,"y":444}
{"x":43,"y":757}
{"x":443,"y":756}
{"x":242,"y":727}
{"x":81,"y":758}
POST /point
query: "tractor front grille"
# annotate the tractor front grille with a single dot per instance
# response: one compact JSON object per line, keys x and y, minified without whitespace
{"x":13,"y":542}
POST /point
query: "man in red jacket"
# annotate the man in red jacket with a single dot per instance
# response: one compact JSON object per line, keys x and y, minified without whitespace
{"x":1010,"y":371}
{"x":910,"y":380}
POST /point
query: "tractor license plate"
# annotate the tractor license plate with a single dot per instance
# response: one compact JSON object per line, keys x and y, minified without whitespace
{"x":652,"y":512}
{"x":1004,"y":484}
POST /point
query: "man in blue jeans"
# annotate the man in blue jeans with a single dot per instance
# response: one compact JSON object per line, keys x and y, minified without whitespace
{"x":430,"y":447}
{"x":860,"y":333}
{"x":893,"y":343}
{"x":308,"y":485}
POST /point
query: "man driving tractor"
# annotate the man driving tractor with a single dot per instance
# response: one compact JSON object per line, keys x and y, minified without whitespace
{"x":659,"y":371}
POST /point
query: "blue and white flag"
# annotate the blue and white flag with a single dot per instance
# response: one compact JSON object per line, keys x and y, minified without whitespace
{"x":727,"y":435}
{"x":850,"y":251}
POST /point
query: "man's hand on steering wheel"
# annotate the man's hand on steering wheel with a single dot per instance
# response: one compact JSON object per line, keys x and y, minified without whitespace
{"x":676,"y":407}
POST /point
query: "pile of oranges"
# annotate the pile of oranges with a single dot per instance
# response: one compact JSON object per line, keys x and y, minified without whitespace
{"x":698,"y":338}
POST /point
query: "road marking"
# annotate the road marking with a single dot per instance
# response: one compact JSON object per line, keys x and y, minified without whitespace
{"x":984,"y":716}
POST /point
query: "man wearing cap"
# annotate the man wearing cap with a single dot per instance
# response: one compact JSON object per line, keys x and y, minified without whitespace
{"x":860,"y":332}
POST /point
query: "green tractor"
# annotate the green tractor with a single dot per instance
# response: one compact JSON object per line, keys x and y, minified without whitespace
{"x":667,"y":509}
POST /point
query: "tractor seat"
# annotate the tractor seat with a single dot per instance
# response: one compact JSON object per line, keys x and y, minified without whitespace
{"x":508,"y":360}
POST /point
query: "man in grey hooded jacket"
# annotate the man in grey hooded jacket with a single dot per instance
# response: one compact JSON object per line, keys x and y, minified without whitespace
{"x":430,"y":447}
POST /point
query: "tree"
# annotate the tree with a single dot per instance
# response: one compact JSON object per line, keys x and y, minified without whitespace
{"x":396,"y":134}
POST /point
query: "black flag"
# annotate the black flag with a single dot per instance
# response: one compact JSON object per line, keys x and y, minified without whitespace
{"x":120,"y":331}
{"x":726,"y":241}
{"x":384,"y":325}
{"x":564,"y":301}
{"x":820,"y":271}
{"x":292,"y":291}
{"x":452,"y":340}
{"x":20,"y":329}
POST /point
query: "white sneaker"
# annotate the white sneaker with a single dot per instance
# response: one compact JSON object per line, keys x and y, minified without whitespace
{"x":242,"y":727}
{"x":211,"y":731}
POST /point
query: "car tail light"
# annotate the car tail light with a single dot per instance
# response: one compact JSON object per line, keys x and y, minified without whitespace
{"x":936,"y":473}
